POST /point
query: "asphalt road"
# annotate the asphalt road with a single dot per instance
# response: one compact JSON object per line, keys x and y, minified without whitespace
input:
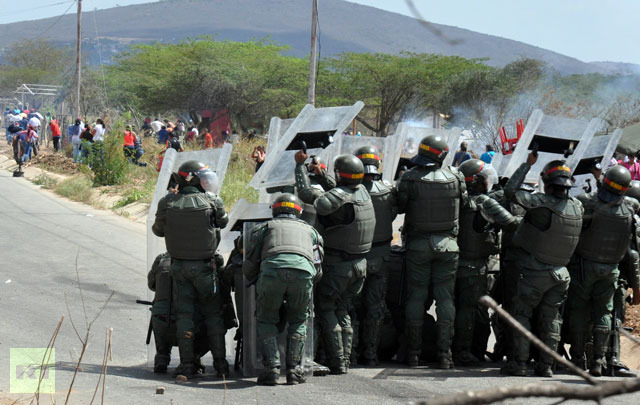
{"x":41,"y":235}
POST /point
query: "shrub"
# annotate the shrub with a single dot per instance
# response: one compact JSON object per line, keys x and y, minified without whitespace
{"x":76,"y":188}
{"x":107,"y":162}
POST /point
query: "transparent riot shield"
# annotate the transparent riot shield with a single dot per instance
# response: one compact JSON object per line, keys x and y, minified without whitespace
{"x":386,"y":146}
{"x":216,"y":159}
{"x":318,"y":127}
{"x":553,"y":137}
{"x":411,"y":136}
{"x":242,"y":212}
{"x":252,"y":357}
{"x":600,"y":151}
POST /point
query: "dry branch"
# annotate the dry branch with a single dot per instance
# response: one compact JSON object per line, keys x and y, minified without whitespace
{"x":435,"y":30}
{"x":511,"y":321}
{"x":566,"y":391}
{"x":595,"y":392}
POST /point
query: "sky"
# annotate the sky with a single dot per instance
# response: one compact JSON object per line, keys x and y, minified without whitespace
{"x":590,"y":30}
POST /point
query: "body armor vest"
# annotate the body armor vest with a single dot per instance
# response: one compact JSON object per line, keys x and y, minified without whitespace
{"x":380,"y":194}
{"x":607,"y":238}
{"x":191,"y":234}
{"x":354,"y":238}
{"x":435,"y":206}
{"x":477,"y":239}
{"x":556,"y":244}
{"x":163,"y":279}
{"x":287,"y":236}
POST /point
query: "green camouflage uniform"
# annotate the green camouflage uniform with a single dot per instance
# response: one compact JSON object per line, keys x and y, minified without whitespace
{"x":280,"y":256}
{"x":605,"y":239}
{"x":543,"y":245}
{"x":375,"y":284}
{"x":346,"y":220}
{"x":189,"y":221}
{"x":431,"y":197}
{"x":478,"y":239}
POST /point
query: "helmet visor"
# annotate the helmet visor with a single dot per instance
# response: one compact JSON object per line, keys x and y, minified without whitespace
{"x":208,"y":180}
{"x":490,"y":174}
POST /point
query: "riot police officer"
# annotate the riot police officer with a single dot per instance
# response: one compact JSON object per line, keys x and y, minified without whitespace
{"x":629,"y":278}
{"x":606,"y":236}
{"x":478,"y":239}
{"x":543,"y":245}
{"x":190,"y":220}
{"x":375,"y":284}
{"x":347,"y":221}
{"x":283,"y":255}
{"x":431,"y":197}
{"x":159,"y":281}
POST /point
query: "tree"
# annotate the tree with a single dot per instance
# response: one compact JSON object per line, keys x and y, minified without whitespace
{"x":389,"y":84}
{"x":33,"y":61}
{"x":254,"y":80}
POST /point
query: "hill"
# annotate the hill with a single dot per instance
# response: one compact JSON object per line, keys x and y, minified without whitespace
{"x":344,"y":27}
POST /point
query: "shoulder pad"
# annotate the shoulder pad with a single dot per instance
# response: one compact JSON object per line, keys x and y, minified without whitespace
{"x":632,"y":203}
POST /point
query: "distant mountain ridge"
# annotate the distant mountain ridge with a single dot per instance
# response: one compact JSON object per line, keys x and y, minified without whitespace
{"x":345,"y":27}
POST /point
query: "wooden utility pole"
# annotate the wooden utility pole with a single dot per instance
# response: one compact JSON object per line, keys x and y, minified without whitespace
{"x":79,"y":59}
{"x":314,"y":54}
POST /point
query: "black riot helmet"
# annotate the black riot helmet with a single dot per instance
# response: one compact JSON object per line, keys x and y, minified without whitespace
{"x":370,"y":159}
{"x":557,"y":173}
{"x":478,"y":175}
{"x":615,"y":183}
{"x":348,"y":169}
{"x":634,"y":190}
{"x":286,"y":203}
{"x":433,"y":149}
{"x":186,"y":174}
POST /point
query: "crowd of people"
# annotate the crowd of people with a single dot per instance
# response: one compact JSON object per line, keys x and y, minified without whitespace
{"x":564,"y":266}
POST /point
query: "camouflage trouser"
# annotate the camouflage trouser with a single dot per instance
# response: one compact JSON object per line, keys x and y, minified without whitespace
{"x":543,"y":291}
{"x":590,"y":302}
{"x":341,"y":282}
{"x":274,"y":287}
{"x":619,"y":308}
{"x":432,"y":262}
{"x":195,"y":284}
{"x":373,"y":300}
{"x":471,"y":284}
{"x":506,"y":285}
{"x":164,"y":335}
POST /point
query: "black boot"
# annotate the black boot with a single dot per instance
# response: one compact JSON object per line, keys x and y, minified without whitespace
{"x":413,"y":330}
{"x":269,"y":376}
{"x":270,"y":361}
{"x":295,"y":348}
{"x":218,"y":351}
{"x":160,"y":363}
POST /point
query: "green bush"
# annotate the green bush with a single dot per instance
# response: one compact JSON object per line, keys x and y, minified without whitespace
{"x":76,"y":188}
{"x":44,"y":181}
{"x":107,"y":162}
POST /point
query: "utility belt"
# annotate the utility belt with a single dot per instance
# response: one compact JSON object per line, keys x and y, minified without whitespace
{"x":343,"y":255}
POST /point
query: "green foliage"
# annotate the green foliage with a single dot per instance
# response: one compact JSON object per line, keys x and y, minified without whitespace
{"x":44,"y":181}
{"x":239,"y":173}
{"x":388,"y":84}
{"x":32,"y":61}
{"x":254,"y":80}
{"x":131,"y":196}
{"x":107,"y":162}
{"x":76,"y":188}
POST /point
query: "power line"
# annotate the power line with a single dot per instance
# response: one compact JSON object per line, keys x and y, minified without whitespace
{"x":104,"y":81}
{"x":30,"y":10}
{"x":57,"y":20}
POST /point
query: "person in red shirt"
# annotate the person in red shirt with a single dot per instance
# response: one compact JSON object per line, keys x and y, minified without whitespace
{"x":55,"y":133}
{"x":633,"y":165}
{"x":129,"y":144}
{"x":208,"y":140}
